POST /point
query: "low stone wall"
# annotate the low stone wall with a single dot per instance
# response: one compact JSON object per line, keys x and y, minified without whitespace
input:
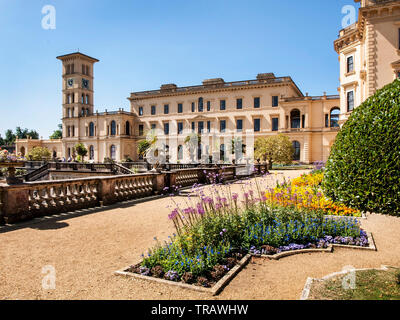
{"x":34,"y":199}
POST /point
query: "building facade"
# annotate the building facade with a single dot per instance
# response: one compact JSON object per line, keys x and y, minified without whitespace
{"x":368,"y":52}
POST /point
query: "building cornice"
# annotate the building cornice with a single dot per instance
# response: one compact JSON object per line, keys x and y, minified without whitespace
{"x":214,"y":88}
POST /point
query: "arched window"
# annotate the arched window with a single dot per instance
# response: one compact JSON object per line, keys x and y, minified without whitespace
{"x":87,"y":111}
{"x":68,"y":99}
{"x":72,"y":112}
{"x":222,"y":152}
{"x":113,"y":152}
{"x":87,"y":99}
{"x":335,"y":113}
{"x":91,"y":129}
{"x":296,"y":154}
{"x":83,"y":98}
{"x":180,"y":152}
{"x":127,"y":128}
{"x":68,"y":112}
{"x":113,"y":128}
{"x":91,"y":153}
{"x":295,"y":119}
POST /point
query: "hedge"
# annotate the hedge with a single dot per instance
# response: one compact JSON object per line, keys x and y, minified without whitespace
{"x":363,"y":170}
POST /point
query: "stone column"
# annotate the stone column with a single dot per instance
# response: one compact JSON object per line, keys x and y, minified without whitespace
{"x":15,"y":204}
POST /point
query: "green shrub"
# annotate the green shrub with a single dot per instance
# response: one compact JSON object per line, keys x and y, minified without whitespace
{"x":363,"y":170}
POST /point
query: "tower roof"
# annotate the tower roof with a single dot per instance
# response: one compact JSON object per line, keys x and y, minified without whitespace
{"x":77,"y":54}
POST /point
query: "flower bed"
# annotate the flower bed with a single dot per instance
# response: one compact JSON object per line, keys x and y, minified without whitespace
{"x":305,"y":192}
{"x":210,"y":225}
{"x":6,"y":157}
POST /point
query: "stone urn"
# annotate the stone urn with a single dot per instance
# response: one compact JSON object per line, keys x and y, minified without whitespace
{"x":11,"y":168}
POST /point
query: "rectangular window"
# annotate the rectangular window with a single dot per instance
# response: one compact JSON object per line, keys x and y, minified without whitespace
{"x":180,"y":127}
{"x":208,"y":105}
{"x":399,"y":39}
{"x":326,"y":120}
{"x":193,"y":126}
{"x":193,"y":107}
{"x":166,"y":128}
{"x":153,"y":126}
{"x":275,"y":124}
{"x":201,"y":105}
{"x":200,"y":127}
{"x":140,"y":111}
{"x":350,"y":101}
{"x":166,"y":109}
{"x":180,"y":108}
{"x":275,"y":101}
{"x":257,"y":103}
{"x":303,"y":120}
{"x":222,"y":125}
{"x":239,"y":125}
{"x":239,"y":104}
{"x":208,"y":126}
{"x":350,"y":64}
{"x":141,"y":130}
{"x":153,"y":110}
{"x":222,"y":105}
{"x":257,"y":125}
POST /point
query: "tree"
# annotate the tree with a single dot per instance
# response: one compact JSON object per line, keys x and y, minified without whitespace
{"x":276,"y":148}
{"x":145,"y":145}
{"x":9,"y":138}
{"x":57,"y":134}
{"x":81,"y":151}
{"x":39,"y":154}
{"x":363,"y":169}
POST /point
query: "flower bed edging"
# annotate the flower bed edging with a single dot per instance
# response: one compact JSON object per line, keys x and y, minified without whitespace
{"x":310,"y":281}
{"x":294,"y":252}
{"x":215,"y":290}
{"x":330,"y":248}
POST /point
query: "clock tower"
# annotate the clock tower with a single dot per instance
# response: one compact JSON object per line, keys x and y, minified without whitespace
{"x":77,"y":85}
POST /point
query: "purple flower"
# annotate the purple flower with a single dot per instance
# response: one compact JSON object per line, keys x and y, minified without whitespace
{"x":173,"y":214}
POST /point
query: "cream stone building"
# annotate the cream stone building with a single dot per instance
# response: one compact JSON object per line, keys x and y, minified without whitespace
{"x":369,"y":58}
{"x":369,"y":53}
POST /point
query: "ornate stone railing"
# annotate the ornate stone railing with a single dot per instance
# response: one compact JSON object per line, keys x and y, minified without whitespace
{"x":187,"y":177}
{"x":113,"y":168}
{"x":35,"y":199}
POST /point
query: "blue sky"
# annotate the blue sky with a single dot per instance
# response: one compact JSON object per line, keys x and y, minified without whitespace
{"x":142,"y":44}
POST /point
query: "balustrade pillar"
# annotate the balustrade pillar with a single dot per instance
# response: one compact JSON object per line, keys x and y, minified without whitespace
{"x":107,"y":191}
{"x":15,"y":204}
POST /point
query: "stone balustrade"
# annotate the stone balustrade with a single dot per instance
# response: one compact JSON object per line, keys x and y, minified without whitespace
{"x":34,"y":199}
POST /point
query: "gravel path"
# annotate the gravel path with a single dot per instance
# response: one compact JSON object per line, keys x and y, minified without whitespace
{"x":86,"y":250}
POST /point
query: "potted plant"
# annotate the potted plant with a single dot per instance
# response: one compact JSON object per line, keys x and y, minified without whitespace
{"x":11,"y":161}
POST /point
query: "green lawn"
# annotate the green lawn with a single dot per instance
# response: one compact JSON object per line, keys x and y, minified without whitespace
{"x":369,"y":285}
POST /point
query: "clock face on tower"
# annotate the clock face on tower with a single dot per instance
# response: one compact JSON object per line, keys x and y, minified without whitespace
{"x":85,"y":84}
{"x":70,"y":82}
